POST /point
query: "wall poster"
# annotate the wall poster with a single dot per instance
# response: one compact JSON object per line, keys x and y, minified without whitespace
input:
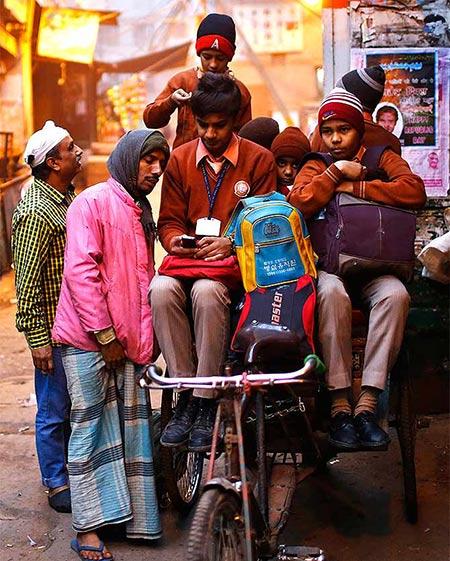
{"x":415,"y":107}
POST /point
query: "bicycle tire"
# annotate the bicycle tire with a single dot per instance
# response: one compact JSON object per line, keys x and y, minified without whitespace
{"x":217,"y":531}
{"x":406,"y":430}
{"x":182,"y":469}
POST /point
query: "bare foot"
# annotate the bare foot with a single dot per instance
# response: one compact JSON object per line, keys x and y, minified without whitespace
{"x":91,"y":539}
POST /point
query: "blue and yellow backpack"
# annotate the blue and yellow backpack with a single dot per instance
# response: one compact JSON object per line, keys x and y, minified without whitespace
{"x":272,"y":241}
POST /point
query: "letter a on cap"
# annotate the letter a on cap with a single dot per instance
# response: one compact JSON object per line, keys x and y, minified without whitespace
{"x":215,"y":44}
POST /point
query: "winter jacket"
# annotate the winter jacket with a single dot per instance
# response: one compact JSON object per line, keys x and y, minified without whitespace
{"x":107,"y":272}
{"x":316,"y":184}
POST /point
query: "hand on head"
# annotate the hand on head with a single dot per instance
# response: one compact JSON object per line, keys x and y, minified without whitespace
{"x":180,"y":96}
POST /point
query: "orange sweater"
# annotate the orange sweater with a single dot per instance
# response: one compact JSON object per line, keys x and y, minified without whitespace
{"x":315,"y":185}
{"x":374,"y":135}
{"x":157,"y":114}
{"x":184,"y":199}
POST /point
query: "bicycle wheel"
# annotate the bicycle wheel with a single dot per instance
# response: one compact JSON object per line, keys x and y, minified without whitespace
{"x":217,"y":531}
{"x":406,"y":429}
{"x":182,"y":469}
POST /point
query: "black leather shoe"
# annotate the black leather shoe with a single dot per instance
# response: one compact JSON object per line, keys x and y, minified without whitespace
{"x":342,"y":433}
{"x":369,"y":433}
{"x":60,"y":500}
{"x":178,"y":428}
{"x":200,"y":439}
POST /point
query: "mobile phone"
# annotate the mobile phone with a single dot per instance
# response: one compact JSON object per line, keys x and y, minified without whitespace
{"x":188,"y":242}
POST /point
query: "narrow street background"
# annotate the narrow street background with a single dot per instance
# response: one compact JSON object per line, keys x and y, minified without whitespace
{"x":355,"y":512}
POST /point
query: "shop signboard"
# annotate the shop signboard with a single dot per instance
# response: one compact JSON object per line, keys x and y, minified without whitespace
{"x":415,"y":107}
{"x":59,"y":35}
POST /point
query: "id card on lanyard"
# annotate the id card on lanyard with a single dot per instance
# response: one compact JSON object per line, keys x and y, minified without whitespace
{"x":210,"y":226}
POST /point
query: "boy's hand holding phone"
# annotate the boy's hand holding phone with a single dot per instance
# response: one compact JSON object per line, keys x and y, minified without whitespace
{"x":178,"y":247}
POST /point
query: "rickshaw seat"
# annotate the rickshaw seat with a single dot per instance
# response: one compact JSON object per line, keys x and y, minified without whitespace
{"x":269,"y":347}
{"x":261,"y":340}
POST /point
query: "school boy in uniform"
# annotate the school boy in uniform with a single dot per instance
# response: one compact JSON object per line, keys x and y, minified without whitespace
{"x":341,"y":125}
{"x":215,"y":45}
{"x":203,"y":182}
{"x":288,"y":148}
{"x":367,"y":84}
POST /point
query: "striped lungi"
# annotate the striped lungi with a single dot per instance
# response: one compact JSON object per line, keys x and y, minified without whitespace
{"x":110,"y":448}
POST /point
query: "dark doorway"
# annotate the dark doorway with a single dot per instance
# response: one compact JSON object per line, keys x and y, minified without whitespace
{"x":65,"y":93}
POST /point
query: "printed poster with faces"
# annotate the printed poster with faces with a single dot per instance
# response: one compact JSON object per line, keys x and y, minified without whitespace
{"x":415,"y":107}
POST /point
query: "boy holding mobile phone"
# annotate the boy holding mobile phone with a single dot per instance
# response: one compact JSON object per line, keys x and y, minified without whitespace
{"x":203,"y":182}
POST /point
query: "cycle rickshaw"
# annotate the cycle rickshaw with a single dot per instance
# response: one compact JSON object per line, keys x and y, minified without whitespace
{"x":271,"y":441}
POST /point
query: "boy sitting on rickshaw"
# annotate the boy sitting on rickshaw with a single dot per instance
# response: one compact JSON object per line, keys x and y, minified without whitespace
{"x":204,"y":180}
{"x":341,"y":124}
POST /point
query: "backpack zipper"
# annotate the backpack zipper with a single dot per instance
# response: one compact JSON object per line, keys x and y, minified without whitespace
{"x":340,"y":221}
{"x":380,"y":232}
{"x":260,"y":245}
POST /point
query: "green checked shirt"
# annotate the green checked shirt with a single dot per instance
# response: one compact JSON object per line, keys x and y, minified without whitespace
{"x":38,"y":240}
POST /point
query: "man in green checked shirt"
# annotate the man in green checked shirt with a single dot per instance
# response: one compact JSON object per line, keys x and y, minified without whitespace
{"x":38,"y":240}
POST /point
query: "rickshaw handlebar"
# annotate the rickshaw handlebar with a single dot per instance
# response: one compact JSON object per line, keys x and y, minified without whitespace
{"x":153,"y":379}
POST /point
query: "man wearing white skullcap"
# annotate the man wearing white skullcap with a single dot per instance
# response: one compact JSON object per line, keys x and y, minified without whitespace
{"x":38,"y":240}
{"x":41,"y":142}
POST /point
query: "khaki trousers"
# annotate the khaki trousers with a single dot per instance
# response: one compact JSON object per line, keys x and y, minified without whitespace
{"x":210,"y":301}
{"x":388,"y":303}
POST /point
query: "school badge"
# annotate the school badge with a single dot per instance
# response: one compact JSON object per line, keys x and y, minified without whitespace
{"x":241,"y":189}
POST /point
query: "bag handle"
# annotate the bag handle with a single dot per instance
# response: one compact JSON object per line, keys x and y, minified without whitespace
{"x":247,"y":202}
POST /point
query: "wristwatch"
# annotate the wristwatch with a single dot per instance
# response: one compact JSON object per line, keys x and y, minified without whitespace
{"x":233,"y":245}
{"x":105,"y":336}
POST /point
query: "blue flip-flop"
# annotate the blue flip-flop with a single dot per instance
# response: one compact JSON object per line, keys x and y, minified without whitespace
{"x":75,"y":545}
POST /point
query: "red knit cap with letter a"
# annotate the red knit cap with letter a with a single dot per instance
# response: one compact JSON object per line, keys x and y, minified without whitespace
{"x":216,"y":31}
{"x":342,"y":105}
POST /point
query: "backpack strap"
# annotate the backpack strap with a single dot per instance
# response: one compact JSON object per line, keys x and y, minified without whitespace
{"x":325,"y":157}
{"x":371,"y":160}
{"x":372,"y":156}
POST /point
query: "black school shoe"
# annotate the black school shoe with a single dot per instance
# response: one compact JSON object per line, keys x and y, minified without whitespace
{"x":200,"y":439}
{"x":178,"y":428}
{"x":342,"y":433}
{"x":61,"y":501}
{"x":369,"y":433}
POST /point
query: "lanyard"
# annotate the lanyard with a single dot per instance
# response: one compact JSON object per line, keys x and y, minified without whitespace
{"x":213,"y":196}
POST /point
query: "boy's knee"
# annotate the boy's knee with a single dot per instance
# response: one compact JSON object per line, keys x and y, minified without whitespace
{"x":331,"y":292}
{"x":399,"y":299}
{"x":163,"y":290}
{"x":206,"y":293}
{"x":395,"y":296}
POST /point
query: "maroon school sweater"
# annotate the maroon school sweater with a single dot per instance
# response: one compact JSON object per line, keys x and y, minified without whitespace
{"x":184,"y":198}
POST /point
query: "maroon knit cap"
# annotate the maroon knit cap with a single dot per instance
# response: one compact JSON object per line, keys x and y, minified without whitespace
{"x":217,"y":31}
{"x":261,"y":130}
{"x":343,"y":105}
{"x":291,"y":143}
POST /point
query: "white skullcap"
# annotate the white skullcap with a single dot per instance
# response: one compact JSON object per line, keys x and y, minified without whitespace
{"x":42,"y":141}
